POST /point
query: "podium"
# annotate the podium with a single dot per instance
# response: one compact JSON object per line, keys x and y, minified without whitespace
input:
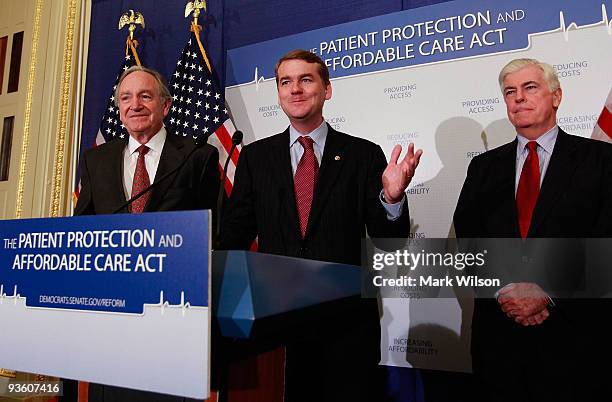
{"x":262,"y":302}
{"x":130,"y":292}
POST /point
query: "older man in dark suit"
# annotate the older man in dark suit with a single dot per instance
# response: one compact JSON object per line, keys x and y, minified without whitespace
{"x":545,"y":183}
{"x":120,"y":169}
{"x":312,"y":192}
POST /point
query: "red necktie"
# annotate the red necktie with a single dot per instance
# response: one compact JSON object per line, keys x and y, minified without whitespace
{"x":141,"y":181}
{"x":305,"y":180}
{"x":528,"y":188}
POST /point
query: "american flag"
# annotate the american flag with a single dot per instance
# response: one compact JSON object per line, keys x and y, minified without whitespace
{"x":110,"y":126}
{"x":198,"y":106}
{"x":603,"y":129}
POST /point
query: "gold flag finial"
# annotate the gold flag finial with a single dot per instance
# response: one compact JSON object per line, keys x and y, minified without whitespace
{"x":195,"y":6}
{"x":7,"y":373}
{"x":132,"y":19}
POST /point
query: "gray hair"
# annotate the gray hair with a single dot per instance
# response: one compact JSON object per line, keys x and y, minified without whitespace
{"x":550,"y":75}
{"x":164,"y":92}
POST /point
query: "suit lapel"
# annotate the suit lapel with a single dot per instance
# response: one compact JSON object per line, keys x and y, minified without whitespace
{"x":115,"y":167}
{"x":331,"y":165}
{"x":560,"y":169}
{"x":507,"y":177}
{"x":283,"y":173}
{"x":170,"y":158}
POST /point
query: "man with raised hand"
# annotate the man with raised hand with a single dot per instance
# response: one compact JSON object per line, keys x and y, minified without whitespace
{"x":312,"y":192}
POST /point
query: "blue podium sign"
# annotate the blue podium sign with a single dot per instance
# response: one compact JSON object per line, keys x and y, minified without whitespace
{"x":128,"y":292}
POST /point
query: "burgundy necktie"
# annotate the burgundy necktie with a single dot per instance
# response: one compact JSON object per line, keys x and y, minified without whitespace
{"x":305,"y":180}
{"x":141,"y":181}
{"x":528,"y":188}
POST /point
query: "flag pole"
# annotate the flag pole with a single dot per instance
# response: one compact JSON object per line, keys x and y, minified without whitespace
{"x":131,"y":44}
{"x":195,"y":28}
{"x":195,"y":7}
{"x":131,"y":19}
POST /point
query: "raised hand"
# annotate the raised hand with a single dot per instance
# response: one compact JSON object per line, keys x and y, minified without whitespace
{"x":397,"y":176}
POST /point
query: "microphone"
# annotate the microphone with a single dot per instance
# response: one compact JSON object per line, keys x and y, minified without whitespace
{"x":237,"y":137}
{"x":236,"y":140}
{"x":199,"y":143}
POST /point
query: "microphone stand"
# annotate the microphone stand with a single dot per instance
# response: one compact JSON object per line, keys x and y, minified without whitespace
{"x":236,"y":140}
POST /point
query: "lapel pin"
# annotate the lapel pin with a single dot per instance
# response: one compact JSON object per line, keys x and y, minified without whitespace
{"x":337,"y":158}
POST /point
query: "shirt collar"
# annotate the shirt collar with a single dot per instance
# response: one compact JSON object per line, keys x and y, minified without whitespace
{"x":155,"y":144}
{"x":546,"y":141}
{"x":318,"y":135}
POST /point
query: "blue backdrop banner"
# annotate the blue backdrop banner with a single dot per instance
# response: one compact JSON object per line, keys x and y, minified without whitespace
{"x":114,"y":263}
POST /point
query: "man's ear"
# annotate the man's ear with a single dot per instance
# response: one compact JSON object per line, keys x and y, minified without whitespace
{"x":557,"y":96}
{"x":167,"y":104}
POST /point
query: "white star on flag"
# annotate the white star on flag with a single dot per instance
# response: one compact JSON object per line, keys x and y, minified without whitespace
{"x":191,"y":80}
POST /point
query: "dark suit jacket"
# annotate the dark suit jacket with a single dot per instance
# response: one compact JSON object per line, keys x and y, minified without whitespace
{"x":345,"y":203}
{"x":575,"y":201}
{"x":575,"y":196}
{"x":194,"y":186}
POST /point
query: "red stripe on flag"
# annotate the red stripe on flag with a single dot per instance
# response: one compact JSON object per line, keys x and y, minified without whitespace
{"x":83,"y":392}
{"x":228,"y":187}
{"x":605,"y":121}
{"x":226,"y":139}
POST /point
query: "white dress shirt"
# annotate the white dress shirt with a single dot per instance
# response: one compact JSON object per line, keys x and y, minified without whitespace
{"x":546,"y":144}
{"x":319,"y":136}
{"x":130,"y":157}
